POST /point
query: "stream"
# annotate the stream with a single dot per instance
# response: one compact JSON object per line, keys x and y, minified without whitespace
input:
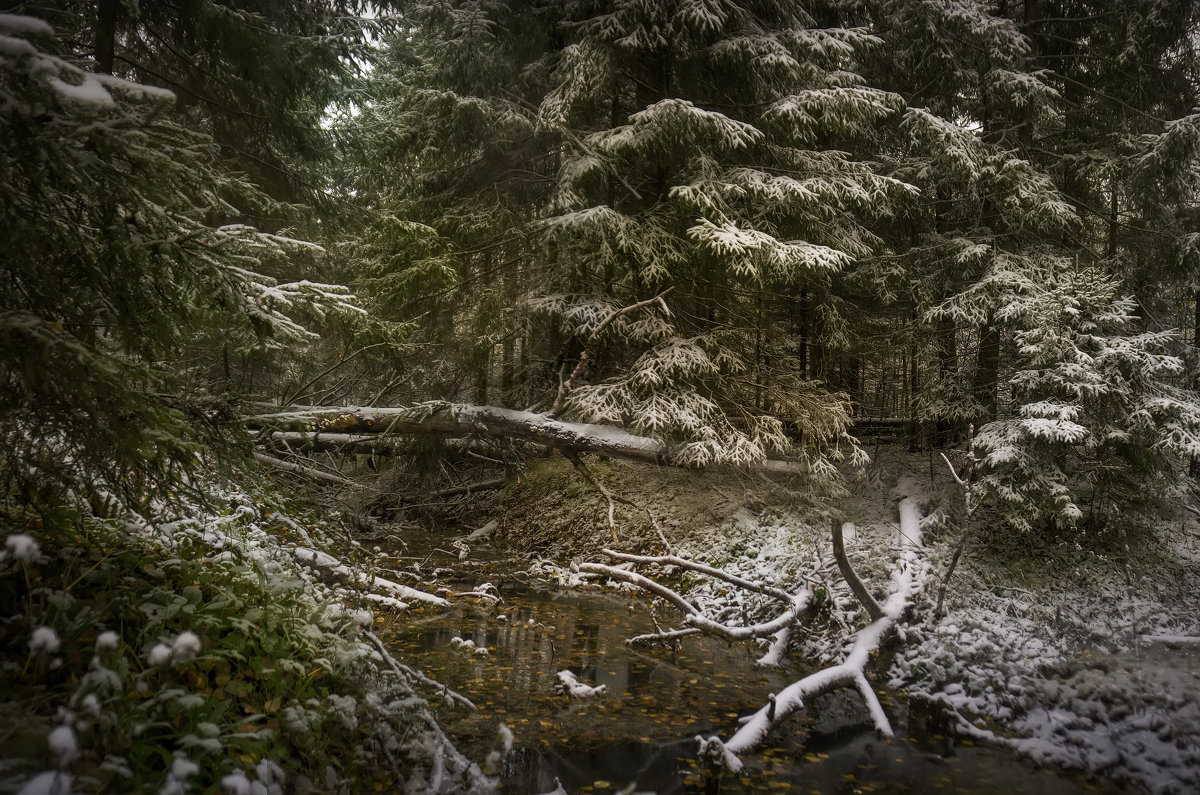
{"x":638,"y":735}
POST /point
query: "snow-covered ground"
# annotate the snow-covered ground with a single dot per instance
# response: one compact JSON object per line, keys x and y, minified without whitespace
{"x":1072,"y":667}
{"x":1046,"y":647}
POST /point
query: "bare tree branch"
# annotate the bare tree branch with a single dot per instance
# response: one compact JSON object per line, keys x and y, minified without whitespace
{"x":849,"y":574}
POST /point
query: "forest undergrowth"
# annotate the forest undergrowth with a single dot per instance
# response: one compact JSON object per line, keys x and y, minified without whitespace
{"x":192,"y":651}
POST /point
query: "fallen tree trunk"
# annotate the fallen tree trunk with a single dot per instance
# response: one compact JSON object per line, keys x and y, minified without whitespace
{"x":571,"y":438}
{"x":297,"y":469}
{"x":851,"y":672}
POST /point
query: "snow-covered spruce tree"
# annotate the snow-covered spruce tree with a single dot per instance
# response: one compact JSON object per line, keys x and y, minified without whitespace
{"x":1057,"y":165}
{"x":1098,"y":433}
{"x":256,"y":76}
{"x":988,"y":206}
{"x":706,"y":147}
{"x":111,"y":263}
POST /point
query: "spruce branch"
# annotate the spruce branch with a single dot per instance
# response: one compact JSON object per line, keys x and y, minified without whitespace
{"x":565,"y":386}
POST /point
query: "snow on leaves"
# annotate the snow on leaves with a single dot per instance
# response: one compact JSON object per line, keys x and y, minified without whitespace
{"x":839,"y":110}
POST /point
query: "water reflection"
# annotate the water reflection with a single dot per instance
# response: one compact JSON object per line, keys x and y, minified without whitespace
{"x":640,"y":731}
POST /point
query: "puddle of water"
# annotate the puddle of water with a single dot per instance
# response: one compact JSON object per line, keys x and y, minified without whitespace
{"x":655,"y":702}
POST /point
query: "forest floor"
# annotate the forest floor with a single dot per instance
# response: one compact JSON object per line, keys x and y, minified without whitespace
{"x":1073,"y":651}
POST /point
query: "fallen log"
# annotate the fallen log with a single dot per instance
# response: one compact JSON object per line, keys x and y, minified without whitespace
{"x":456,"y":419}
{"x":851,"y":672}
{"x":297,"y":469}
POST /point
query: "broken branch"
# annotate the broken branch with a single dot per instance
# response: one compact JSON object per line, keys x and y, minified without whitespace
{"x":849,"y":574}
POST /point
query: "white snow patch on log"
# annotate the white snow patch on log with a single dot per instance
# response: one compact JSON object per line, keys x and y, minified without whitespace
{"x":850,"y":672}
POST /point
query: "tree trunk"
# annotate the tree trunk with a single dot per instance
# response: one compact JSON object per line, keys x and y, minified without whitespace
{"x":457,"y":419}
{"x":947,"y":339}
{"x":987,"y":371}
{"x":107,"y":12}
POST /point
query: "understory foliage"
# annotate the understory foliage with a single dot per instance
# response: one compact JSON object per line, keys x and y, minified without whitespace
{"x":192,"y":653}
{"x":152,"y":642}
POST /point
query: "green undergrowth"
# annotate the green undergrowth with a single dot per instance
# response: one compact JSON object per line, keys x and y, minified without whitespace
{"x":192,"y":654}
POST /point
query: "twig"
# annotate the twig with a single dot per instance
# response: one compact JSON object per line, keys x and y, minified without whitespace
{"x":565,"y":386}
{"x":300,"y":390}
{"x":658,"y":529}
{"x":577,"y":461}
{"x":962,"y":541}
{"x":407,"y":672}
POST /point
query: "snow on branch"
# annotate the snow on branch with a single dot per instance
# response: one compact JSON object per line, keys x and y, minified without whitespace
{"x":456,"y":419}
{"x":907,"y":579}
{"x":412,"y":674}
{"x":695,"y":620}
{"x":566,"y":385}
{"x":326,"y":561}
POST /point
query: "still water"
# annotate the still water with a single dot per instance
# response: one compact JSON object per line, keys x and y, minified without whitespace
{"x":638,"y":735}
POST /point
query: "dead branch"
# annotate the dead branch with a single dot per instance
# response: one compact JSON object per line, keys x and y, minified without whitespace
{"x":581,"y":467}
{"x":965,"y":483}
{"x":907,"y":579}
{"x":849,"y":574}
{"x":298,"y":469}
{"x":565,"y":386}
{"x":695,"y":619}
{"x":662,"y":636}
{"x":412,"y":673}
{"x":683,"y":563}
{"x":644,"y":583}
{"x":454,"y":491}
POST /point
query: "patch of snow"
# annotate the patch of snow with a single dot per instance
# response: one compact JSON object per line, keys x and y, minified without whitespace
{"x":186,"y":647}
{"x":21,"y":547}
{"x":107,"y":641}
{"x":25,"y":26}
{"x":90,"y":93}
{"x":51,"y":782}
{"x":236,"y":784}
{"x":159,"y":655}
{"x":44,"y":639}
{"x":63,"y":744}
{"x":569,"y":684}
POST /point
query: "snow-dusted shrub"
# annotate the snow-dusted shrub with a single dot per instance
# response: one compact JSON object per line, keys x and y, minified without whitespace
{"x":194,"y":651}
{"x":1099,"y":429}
